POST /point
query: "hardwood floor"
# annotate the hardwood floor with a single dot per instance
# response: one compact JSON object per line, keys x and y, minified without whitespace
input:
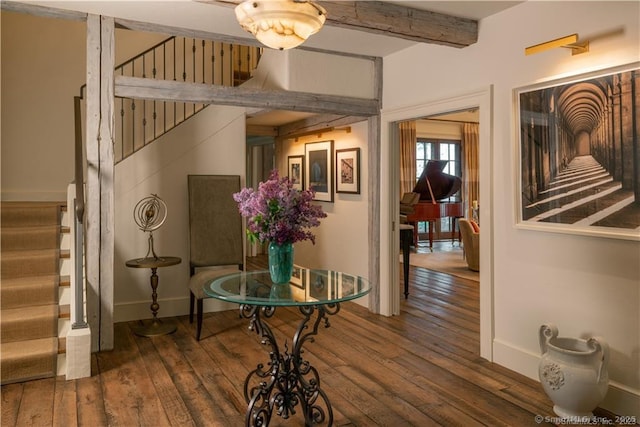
{"x":421,"y":368}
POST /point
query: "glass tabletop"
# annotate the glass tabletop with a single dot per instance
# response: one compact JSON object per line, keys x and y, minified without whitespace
{"x":307,"y":287}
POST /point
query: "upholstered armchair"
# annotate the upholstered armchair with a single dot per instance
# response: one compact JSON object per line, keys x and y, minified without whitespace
{"x":216,"y":241}
{"x":470,"y":232}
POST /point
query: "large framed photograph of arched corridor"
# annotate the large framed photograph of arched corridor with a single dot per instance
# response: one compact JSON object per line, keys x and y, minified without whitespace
{"x":579,"y":154}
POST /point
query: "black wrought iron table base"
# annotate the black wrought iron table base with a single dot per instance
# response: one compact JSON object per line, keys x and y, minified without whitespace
{"x":288,"y":380}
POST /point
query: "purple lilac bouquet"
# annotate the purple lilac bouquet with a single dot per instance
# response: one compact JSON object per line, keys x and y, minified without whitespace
{"x":277,"y":212}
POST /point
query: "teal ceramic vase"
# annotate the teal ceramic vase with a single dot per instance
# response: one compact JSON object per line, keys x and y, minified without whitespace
{"x":280,"y":291}
{"x":280,"y":262}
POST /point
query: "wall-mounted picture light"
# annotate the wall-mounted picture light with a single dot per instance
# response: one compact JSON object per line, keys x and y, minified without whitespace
{"x":569,"y":42}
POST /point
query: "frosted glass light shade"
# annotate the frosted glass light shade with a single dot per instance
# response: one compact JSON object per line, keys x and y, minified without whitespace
{"x":280,"y":24}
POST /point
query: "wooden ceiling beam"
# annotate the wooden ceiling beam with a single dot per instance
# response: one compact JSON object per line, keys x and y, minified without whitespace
{"x":262,"y":130}
{"x":394,"y":20}
{"x":318,"y":123}
{"x":168,"y":90}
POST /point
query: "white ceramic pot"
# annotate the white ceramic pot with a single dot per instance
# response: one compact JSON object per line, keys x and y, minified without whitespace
{"x":573,"y":372}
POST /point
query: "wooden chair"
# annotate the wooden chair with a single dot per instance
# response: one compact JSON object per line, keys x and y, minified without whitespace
{"x":216,"y":242}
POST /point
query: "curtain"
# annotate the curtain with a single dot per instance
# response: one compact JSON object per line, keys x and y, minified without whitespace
{"x":407,"y":156}
{"x":471,"y":165}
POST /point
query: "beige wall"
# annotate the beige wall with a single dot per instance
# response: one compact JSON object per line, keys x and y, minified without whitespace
{"x":585,"y":285}
{"x":347,"y":221}
{"x":43,"y":68}
{"x":213,"y":142}
{"x":329,"y":74}
{"x":314,"y":72}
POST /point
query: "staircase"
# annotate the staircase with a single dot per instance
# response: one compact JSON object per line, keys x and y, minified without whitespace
{"x":32,"y":289}
{"x":139,"y":122}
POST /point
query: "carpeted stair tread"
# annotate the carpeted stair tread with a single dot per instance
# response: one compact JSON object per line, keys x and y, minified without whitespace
{"x":30,"y":263}
{"x":29,"y":214}
{"x":26,"y":291}
{"x":29,"y":323}
{"x":29,"y":238}
{"x":27,"y":360}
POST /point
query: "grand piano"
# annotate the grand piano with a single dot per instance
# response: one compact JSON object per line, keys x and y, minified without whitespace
{"x":433,"y":186}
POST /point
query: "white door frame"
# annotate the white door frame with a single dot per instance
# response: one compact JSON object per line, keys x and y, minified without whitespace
{"x":389,"y":212}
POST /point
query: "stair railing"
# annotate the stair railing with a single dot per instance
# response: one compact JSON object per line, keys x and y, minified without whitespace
{"x":78,"y":220}
{"x":177,"y":58}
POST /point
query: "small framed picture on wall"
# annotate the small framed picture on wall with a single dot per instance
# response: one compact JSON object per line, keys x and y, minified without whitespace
{"x":348,"y":171}
{"x":318,"y":159}
{"x":296,"y":171}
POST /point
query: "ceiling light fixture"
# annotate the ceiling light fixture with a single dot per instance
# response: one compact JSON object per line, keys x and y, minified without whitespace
{"x":570,"y":42}
{"x":281,"y":24}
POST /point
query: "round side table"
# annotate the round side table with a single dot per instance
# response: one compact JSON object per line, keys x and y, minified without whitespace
{"x":156,"y":326}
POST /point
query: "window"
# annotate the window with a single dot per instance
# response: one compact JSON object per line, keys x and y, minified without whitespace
{"x":440,"y":149}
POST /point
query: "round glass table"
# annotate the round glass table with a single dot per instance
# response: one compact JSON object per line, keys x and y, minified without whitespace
{"x":288,"y":379}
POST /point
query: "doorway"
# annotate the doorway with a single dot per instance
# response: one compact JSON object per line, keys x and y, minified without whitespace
{"x":389,"y":190}
{"x":451,"y":140}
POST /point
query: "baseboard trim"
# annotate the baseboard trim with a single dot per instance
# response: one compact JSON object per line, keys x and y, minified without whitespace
{"x":171,"y":307}
{"x":620,"y":399}
{"x":36,"y":196}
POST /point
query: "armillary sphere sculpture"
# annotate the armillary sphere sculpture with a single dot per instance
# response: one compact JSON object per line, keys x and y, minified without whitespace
{"x":149,"y":214}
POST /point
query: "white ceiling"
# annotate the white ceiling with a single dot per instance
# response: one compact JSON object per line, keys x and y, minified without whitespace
{"x":472,"y":9}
